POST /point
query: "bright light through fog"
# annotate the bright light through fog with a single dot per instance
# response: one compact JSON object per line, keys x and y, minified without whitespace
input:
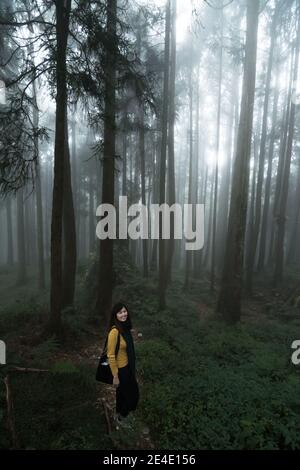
{"x":184,"y":15}
{"x":211,"y":157}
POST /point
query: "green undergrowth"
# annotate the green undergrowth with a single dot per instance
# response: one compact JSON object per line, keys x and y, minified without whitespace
{"x":204,"y":385}
{"x":56,"y":410}
{"x":211,"y":386}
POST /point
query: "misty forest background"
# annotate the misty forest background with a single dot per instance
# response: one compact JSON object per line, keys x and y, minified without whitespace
{"x":187,"y":101}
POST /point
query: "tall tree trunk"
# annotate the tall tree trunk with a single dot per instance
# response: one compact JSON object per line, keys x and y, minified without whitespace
{"x":91,"y":211}
{"x":124,"y":170}
{"x":265,"y":216}
{"x":39,"y":205}
{"x":47,"y":187}
{"x":251,"y":211}
{"x":207,"y":254}
{"x":293,"y":242}
{"x":10,"y":247}
{"x":62,"y":29}
{"x":196,"y":253}
{"x":155,"y":198}
{"x":143,"y":177}
{"x":30,"y":229}
{"x":75,"y":177}
{"x":203,"y":201}
{"x":281,"y":219}
{"x":215,"y":202}
{"x":226,"y":176}
{"x":162,"y":176}
{"x":229,"y":302}
{"x":191,"y":168}
{"x":282,"y":150}
{"x":261,"y":167}
{"x":69,"y":230}
{"x":171,"y":156}
{"x":22,"y":271}
{"x":105,"y":286}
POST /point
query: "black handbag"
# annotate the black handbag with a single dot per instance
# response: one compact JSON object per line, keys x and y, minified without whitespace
{"x":103,"y":373}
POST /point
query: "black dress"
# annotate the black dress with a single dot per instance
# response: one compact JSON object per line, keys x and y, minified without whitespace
{"x":127,"y":393}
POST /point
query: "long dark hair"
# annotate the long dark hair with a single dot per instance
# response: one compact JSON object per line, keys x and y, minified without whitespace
{"x":122,"y":326}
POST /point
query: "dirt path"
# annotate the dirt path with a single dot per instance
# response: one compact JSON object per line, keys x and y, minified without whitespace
{"x":89,"y":354}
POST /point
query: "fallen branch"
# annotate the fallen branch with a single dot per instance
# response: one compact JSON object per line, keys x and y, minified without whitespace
{"x":106,"y":416}
{"x":9,"y":401}
{"x":27,"y":369}
{"x":10,"y":413}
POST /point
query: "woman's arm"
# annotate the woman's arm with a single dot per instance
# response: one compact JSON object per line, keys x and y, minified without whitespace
{"x":111,"y":350}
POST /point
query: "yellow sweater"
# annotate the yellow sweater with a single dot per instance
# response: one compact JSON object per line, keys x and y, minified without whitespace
{"x":122,"y":359}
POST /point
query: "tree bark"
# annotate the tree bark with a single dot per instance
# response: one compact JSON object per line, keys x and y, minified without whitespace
{"x":281,"y":218}
{"x":283,"y":142}
{"x":143,"y":183}
{"x":215,"y":202}
{"x":69,"y":230}
{"x":261,"y":167}
{"x":162,"y":176}
{"x":171,"y":155}
{"x":91,"y":212}
{"x":10,"y":248}
{"x":22,"y":271}
{"x":191,"y":169}
{"x":266,"y":209}
{"x":229,"y":302}
{"x":39,"y":205}
{"x":62,"y":29}
{"x":105,"y":286}
{"x":293,"y":241}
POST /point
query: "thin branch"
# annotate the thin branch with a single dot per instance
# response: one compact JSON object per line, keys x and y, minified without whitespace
{"x":27,"y":72}
{"x":106,"y":416}
{"x":27,"y":369}
{"x":25,"y":23}
{"x":10,"y":58}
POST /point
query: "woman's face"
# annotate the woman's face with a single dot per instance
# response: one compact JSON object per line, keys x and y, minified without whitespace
{"x":122,"y":314}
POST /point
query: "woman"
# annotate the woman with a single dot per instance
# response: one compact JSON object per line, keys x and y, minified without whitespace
{"x":122,"y":364}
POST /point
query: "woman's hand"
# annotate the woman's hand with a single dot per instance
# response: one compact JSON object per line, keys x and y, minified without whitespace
{"x":116,"y":381}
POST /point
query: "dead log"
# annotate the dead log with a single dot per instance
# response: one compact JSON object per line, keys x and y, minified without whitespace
{"x":10,"y":413}
{"x":108,"y":425}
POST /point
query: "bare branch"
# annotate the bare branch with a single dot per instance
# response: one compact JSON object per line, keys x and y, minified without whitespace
{"x":25,"y":23}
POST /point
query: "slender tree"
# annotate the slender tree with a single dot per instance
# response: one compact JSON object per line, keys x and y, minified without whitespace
{"x":229,"y":301}
{"x":171,"y":150}
{"x":216,"y":182}
{"x":260,"y":177}
{"x":10,"y":247}
{"x":266,"y":209}
{"x":62,"y":29}
{"x":22,"y":269}
{"x":281,"y":217}
{"x":163,"y":154}
{"x":105,"y":285}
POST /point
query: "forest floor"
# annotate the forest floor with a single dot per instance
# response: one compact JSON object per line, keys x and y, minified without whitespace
{"x":204,"y":385}
{"x":22,"y":318}
{"x":88,"y":355}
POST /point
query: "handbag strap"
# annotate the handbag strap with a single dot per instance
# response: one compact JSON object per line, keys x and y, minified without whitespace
{"x":117,"y":345}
